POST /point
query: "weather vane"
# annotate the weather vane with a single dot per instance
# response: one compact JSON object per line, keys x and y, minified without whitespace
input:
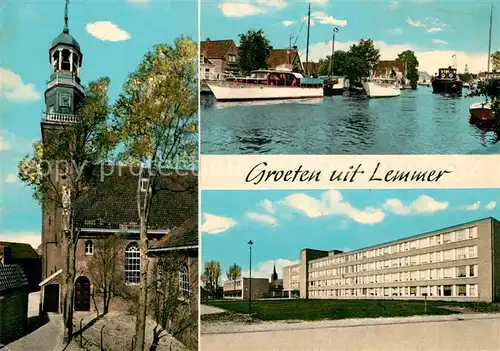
{"x":66,"y":30}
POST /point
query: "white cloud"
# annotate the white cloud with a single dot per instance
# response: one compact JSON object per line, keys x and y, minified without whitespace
{"x":213,"y":224}
{"x":250,"y":7}
{"x":262,"y":218}
{"x":11,"y":178}
{"x":267,"y":206}
{"x":4,"y":144}
{"x":13,"y":88}
{"x":416,"y":24}
{"x":107,"y":31}
{"x":32,"y":238}
{"x":396,"y":31}
{"x":265,"y":269}
{"x":434,"y":30}
{"x":439,"y":42}
{"x":324,"y":18}
{"x":423,"y":204}
{"x":491,"y":205}
{"x":287,"y":23}
{"x":429,"y":59}
{"x":331,"y":203}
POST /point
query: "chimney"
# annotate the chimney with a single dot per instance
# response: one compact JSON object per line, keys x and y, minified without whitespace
{"x":270,"y":47}
{"x":7,"y":255}
{"x":208,"y":39}
{"x":294,"y":47}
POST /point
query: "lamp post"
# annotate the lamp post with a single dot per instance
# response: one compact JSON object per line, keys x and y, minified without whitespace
{"x":250,"y":243}
{"x":335,"y":30}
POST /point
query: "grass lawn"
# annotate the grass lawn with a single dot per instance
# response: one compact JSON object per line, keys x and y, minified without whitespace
{"x":316,"y":309}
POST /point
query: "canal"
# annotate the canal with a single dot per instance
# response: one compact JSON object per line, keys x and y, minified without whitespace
{"x":417,"y":122}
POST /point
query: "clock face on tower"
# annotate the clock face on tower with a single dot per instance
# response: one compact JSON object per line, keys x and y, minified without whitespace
{"x":65,"y":100}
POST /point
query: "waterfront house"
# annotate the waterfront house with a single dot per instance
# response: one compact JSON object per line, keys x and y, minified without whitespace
{"x":285,"y":59}
{"x":222,"y":54}
{"x":391,"y":68}
{"x":14,"y":288}
{"x":207,"y":68}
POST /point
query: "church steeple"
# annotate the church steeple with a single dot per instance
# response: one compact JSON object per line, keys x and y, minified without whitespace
{"x":274,"y":276}
{"x":64,"y":91}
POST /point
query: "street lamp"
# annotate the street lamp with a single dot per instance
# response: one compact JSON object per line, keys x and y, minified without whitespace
{"x":335,"y":30}
{"x":250,"y":243}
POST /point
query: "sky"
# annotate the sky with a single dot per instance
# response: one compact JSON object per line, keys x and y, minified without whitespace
{"x":114,"y":35}
{"x":434,"y":29}
{"x":281,"y":223}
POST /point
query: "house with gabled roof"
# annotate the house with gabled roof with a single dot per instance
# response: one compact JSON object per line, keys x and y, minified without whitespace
{"x":26,"y":257}
{"x":222,"y":54}
{"x":285,"y":59}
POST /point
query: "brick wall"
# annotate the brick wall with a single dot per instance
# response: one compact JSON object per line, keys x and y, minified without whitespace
{"x":13,"y":315}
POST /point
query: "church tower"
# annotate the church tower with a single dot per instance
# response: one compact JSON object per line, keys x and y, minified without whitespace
{"x":274,"y":276}
{"x":64,"y":91}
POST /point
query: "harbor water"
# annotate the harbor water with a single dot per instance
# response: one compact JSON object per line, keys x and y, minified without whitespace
{"x":417,"y":122}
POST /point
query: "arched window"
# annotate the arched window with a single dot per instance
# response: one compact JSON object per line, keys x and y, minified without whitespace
{"x":89,"y":247}
{"x":132,"y":264}
{"x":184,"y":281}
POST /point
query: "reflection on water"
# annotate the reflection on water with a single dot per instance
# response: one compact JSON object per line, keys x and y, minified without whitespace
{"x":417,"y":122}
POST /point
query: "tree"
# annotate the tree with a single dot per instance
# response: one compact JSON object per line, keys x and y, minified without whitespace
{"x":62,"y":175}
{"x":171,"y":300}
{"x":490,"y":88}
{"x":495,"y":61}
{"x":361,"y":59}
{"x":212,"y":275}
{"x":156,"y":117}
{"x":339,"y":64}
{"x":253,"y":52}
{"x":411,"y":66}
{"x":233,"y":273}
{"x":103,"y":269}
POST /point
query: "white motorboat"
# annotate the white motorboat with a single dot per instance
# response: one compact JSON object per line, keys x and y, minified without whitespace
{"x":267,"y":85}
{"x":380,"y":88}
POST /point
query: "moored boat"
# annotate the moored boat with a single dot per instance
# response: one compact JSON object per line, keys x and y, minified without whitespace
{"x":379,"y":88}
{"x":447,"y":82}
{"x":334,"y":85}
{"x":267,"y":85}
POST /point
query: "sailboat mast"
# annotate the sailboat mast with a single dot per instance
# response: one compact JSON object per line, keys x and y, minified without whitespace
{"x":489,"y":43}
{"x":308,"y":30}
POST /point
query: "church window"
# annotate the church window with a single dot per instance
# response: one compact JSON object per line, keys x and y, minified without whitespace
{"x":89,"y":247}
{"x":132,"y":264}
{"x":184,"y":281}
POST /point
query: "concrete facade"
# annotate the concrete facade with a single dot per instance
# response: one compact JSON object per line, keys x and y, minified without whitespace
{"x":456,"y":263}
{"x":239,"y":289}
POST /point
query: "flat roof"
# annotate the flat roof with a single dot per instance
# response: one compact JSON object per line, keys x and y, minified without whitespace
{"x":388,"y":243}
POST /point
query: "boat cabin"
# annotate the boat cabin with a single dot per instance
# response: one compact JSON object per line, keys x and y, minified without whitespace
{"x":447,"y":73}
{"x":272,"y":77}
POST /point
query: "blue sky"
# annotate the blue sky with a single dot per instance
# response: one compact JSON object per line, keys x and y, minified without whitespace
{"x":113,"y":35}
{"x":435,"y":29}
{"x":281,"y":223}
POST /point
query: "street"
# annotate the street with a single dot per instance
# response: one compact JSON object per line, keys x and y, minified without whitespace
{"x":473,"y":332}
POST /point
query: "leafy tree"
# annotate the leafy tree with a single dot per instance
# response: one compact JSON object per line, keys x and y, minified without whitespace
{"x":212,"y":275}
{"x":254,"y":50}
{"x":489,"y":88}
{"x":233,"y":273}
{"x":361,"y":59}
{"x":156,"y":118}
{"x":340,"y":59}
{"x":495,"y":61}
{"x":466,"y":77}
{"x":62,"y":176}
{"x":411,"y":66}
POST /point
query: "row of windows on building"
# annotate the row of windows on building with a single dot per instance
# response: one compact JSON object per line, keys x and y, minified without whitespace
{"x":422,"y":243}
{"x":461,"y":253}
{"x":133,"y":266}
{"x":460,"y":290}
{"x":233,"y":284}
{"x":468,"y":271}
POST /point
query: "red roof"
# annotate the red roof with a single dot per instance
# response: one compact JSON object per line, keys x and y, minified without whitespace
{"x":215,"y":49}
{"x":280,"y":57}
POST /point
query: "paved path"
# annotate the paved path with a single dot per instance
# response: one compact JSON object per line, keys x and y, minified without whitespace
{"x":46,"y":338}
{"x":205,"y":309}
{"x":473,"y":332}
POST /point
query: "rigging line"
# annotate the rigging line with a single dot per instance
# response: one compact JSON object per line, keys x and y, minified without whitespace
{"x":298,"y":35}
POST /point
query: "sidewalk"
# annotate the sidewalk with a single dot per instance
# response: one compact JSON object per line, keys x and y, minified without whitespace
{"x":227,"y":327}
{"x":205,"y":309}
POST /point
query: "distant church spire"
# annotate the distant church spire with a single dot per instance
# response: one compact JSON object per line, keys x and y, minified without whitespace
{"x":274,"y":276}
{"x":66,"y":29}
